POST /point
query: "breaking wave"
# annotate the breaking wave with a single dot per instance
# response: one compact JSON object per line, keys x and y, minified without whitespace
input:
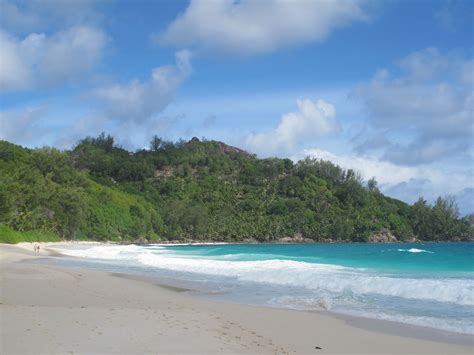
{"x":415,"y":250}
{"x":312,"y":276}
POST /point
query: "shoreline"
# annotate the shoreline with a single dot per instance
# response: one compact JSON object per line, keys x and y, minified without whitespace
{"x":381,"y":326}
{"x":226,"y":327}
{"x":425,"y":332}
{"x":29,"y":245}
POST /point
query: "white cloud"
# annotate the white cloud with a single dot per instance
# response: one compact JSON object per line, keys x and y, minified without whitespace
{"x":39,"y":60}
{"x":465,"y":201}
{"x":467,"y":72}
{"x":13,"y":18}
{"x":405,"y":183}
{"x":139,"y":101}
{"x":72,"y":52}
{"x":313,"y":119}
{"x":422,"y":66}
{"x":128,"y":112}
{"x":429,"y":105}
{"x":252,"y":27}
{"x":21,"y":126}
{"x":389,"y":173}
{"x":14,"y":71}
{"x":128,"y":134}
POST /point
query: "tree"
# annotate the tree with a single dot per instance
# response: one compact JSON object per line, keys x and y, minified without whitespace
{"x":444,"y":215}
{"x":421,"y":218}
{"x":156,"y":143}
{"x":372,"y":185}
{"x":203,"y":190}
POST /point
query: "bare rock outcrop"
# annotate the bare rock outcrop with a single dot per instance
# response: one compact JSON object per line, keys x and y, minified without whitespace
{"x":383,"y":236}
{"x":297,"y":238}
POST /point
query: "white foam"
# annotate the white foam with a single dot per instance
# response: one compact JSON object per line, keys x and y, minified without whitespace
{"x":326,"y":303}
{"x":312,"y":303}
{"x":327,"y":287}
{"x":109,"y":252}
{"x":189,"y":244}
{"x":415,"y":250}
{"x":450,"y":325}
{"x":318,"y":277}
{"x":332,"y":278}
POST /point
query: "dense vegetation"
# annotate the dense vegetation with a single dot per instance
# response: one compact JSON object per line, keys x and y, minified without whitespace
{"x":201,"y":190}
{"x":7,"y":235}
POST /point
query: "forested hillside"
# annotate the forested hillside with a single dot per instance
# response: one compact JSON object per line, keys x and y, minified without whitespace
{"x":202,"y":190}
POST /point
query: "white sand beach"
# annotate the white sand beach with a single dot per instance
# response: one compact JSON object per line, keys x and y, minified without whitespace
{"x":48,"y":309}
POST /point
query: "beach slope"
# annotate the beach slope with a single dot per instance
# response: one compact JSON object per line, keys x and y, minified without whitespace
{"x":47,"y":309}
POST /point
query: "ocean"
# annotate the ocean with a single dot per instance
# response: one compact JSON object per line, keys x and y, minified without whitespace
{"x":429,"y":284}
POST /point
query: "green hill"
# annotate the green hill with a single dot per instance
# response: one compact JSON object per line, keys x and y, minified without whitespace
{"x":202,"y":190}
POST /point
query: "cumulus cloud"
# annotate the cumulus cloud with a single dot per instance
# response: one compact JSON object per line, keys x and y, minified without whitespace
{"x":129,"y":112}
{"x":465,"y":201}
{"x":313,"y":119}
{"x":409,"y":191}
{"x":39,"y":60}
{"x":139,"y":101}
{"x":467,"y":72}
{"x":405,"y":183}
{"x":253,"y":27}
{"x":14,"y":19}
{"x":430,"y":103}
{"x":22,"y":125}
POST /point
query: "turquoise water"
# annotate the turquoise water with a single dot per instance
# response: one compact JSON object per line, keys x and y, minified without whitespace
{"x":429,"y":258}
{"x":430,"y":284}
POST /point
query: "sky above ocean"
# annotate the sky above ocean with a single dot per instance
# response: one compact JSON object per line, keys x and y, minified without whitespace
{"x":382,"y":87}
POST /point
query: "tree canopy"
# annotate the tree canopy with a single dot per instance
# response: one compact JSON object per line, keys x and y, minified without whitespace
{"x":203,"y":190}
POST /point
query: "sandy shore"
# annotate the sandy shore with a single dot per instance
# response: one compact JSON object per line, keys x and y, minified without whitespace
{"x":47,"y":310}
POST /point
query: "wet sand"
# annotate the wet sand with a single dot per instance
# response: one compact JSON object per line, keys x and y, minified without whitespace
{"x":48,"y":309}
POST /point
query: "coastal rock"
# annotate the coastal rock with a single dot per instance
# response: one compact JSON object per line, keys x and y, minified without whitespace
{"x":297,"y":238}
{"x":383,"y":236}
{"x":141,"y":240}
{"x":330,"y":241}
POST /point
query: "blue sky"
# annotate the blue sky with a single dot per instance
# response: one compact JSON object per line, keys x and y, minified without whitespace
{"x":382,"y":87}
